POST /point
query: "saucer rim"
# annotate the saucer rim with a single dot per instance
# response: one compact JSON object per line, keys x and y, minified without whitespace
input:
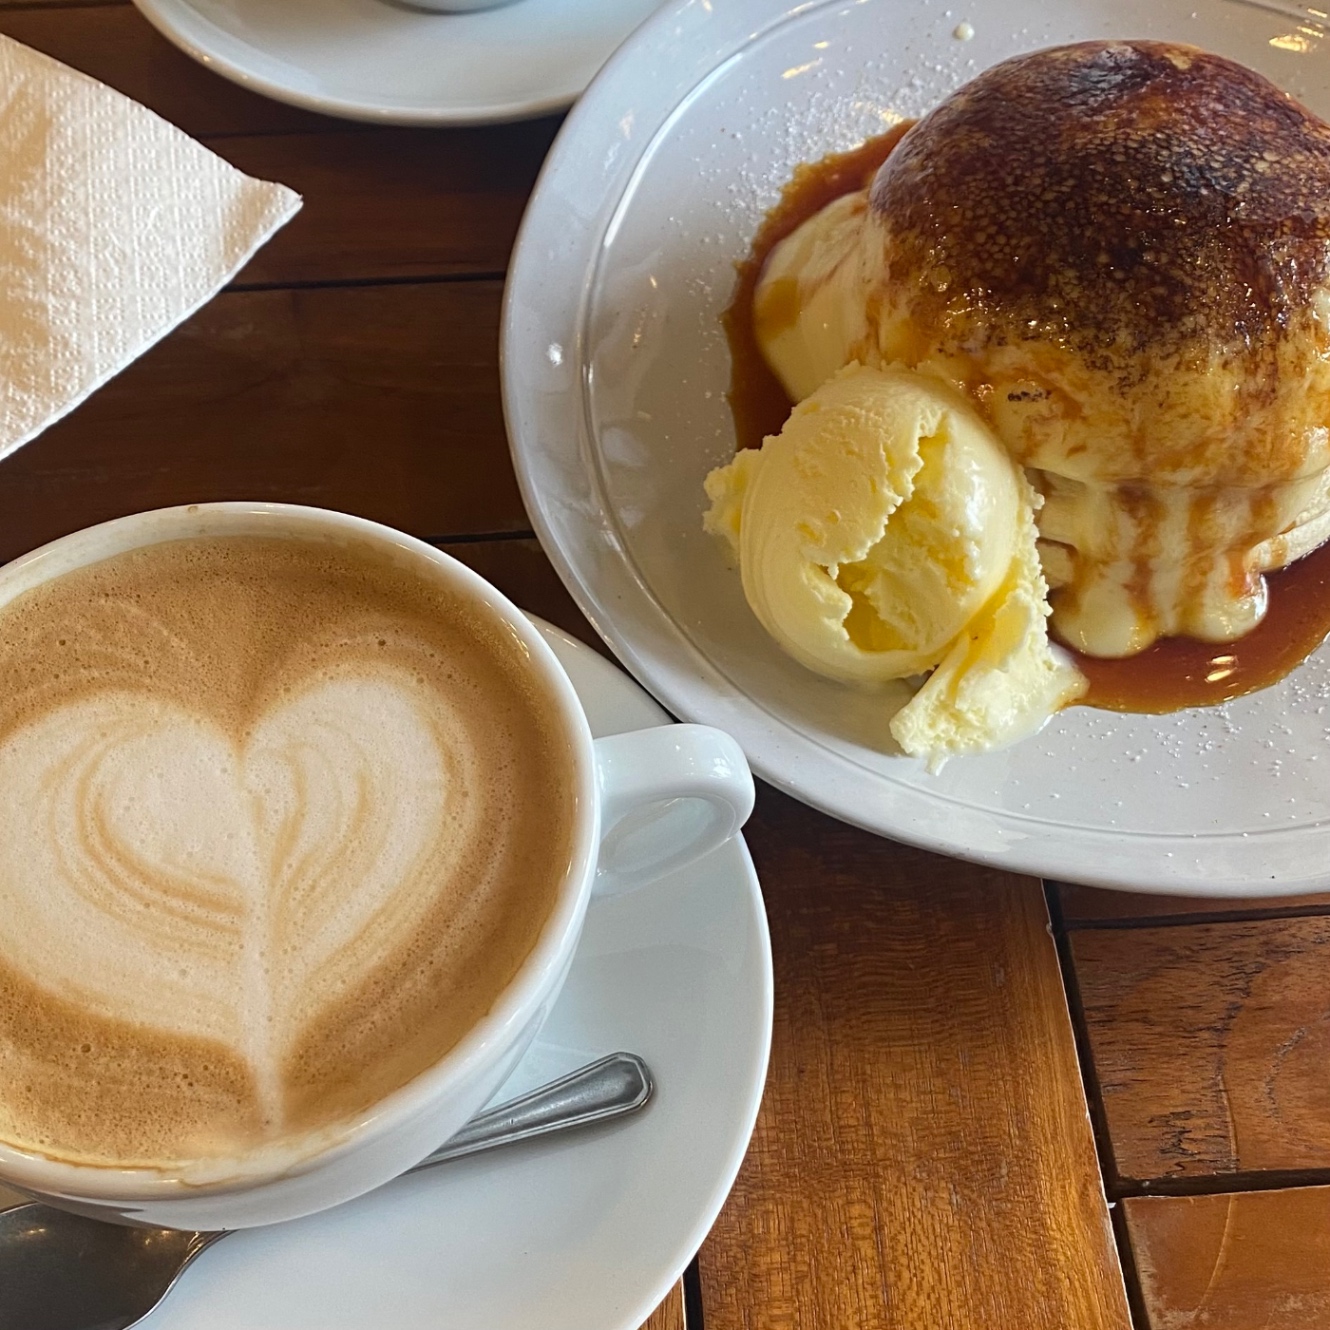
{"x":159,"y":13}
{"x":613,"y":674}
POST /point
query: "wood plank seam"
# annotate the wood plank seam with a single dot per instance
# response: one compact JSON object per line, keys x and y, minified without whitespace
{"x":321,"y":124}
{"x":478,"y":537}
{"x":1131,"y":1274}
{"x":1200,"y":917}
{"x":692,"y":1297}
{"x":1210,"y":910}
{"x":1219,"y":1184}
{"x":19,"y":7}
{"x":317,"y":123}
{"x":1094,"y":1103}
{"x":356,"y":283}
{"x":1094,"y":1097}
{"x":273,"y":395}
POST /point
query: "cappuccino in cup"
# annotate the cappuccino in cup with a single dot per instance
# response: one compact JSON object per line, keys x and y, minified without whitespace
{"x":281,"y":818}
{"x":299,"y":824}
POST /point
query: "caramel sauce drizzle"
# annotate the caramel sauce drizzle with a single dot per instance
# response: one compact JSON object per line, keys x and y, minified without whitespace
{"x":1172,"y":674}
{"x":757,"y":400}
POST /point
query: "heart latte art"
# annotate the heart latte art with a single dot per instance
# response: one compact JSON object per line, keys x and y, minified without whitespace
{"x":279,"y":820}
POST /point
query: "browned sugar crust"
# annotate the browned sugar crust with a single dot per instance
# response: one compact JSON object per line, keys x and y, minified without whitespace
{"x":1113,"y":196}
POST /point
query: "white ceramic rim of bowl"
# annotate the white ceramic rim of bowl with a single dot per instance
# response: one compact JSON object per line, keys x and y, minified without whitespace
{"x":159,"y":14}
{"x":524,"y":993}
{"x":558,"y":251}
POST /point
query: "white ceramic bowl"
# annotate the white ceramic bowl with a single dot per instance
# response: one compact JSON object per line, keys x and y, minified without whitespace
{"x":615,"y":374}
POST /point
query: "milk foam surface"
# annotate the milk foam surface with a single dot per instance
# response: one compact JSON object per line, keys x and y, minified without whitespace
{"x":279,"y":820}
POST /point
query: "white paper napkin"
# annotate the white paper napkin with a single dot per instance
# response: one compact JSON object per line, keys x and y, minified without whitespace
{"x":114,"y":227}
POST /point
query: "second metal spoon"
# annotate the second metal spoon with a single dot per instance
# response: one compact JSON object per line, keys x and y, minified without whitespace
{"x":60,"y":1271}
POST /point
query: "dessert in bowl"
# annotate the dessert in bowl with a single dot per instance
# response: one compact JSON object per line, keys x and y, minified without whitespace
{"x":620,"y":403}
{"x":1108,"y":259}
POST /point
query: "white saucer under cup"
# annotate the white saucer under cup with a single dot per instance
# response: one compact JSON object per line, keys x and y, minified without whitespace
{"x":615,"y":376}
{"x":588,"y":1232}
{"x":397,"y":64}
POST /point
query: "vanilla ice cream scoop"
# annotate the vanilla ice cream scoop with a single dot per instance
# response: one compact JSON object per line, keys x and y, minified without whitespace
{"x":810,"y":308}
{"x":881,"y":528}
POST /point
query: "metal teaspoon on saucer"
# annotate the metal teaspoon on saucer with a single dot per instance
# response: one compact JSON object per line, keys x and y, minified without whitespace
{"x":60,"y":1271}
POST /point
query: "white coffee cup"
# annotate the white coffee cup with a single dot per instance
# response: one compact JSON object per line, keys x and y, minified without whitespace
{"x":646,"y":803}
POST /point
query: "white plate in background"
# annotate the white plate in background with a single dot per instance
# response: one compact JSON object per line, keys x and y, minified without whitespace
{"x":583,"y":1232}
{"x":382,"y":61}
{"x":615,"y":372}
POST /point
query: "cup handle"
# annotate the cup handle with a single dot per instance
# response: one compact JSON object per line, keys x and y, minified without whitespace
{"x":668,"y":795}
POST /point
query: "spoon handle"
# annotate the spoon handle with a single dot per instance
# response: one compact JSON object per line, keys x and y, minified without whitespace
{"x":609,"y":1088}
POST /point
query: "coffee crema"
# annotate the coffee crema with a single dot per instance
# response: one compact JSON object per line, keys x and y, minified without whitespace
{"x":280,"y":819}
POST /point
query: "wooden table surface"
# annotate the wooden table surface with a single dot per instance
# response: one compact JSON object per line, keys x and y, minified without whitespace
{"x":994,"y":1104}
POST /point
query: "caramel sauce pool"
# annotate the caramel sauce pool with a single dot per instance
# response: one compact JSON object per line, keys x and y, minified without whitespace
{"x":1175,"y":672}
{"x":757,"y":400}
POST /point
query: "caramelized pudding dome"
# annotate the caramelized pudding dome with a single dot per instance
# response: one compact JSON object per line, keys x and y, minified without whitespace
{"x":1121,"y":252}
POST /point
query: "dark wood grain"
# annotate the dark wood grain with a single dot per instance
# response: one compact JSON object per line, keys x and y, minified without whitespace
{"x":394,"y":204}
{"x":669,"y":1315}
{"x":1251,"y":1261}
{"x":116,"y":44}
{"x":923,"y":1156}
{"x":1095,"y":907}
{"x":1210,"y":1044}
{"x":381,"y":401}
